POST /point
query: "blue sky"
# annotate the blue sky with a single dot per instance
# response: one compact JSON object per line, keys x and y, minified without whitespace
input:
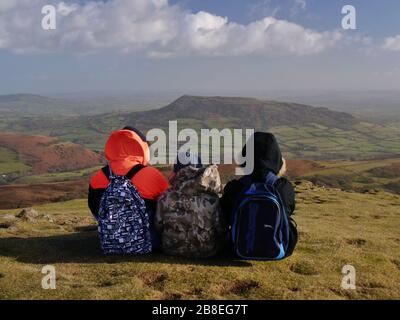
{"x":199,"y":45}
{"x":375,"y":17}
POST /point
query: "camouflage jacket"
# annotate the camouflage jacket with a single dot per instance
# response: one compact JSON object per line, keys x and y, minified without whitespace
{"x":189,"y":217}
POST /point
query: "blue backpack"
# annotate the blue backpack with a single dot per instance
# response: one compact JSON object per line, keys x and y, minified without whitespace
{"x":124,"y":224}
{"x":260,"y":227}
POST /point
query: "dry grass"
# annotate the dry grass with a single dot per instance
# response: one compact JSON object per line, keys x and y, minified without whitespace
{"x":336,"y":228}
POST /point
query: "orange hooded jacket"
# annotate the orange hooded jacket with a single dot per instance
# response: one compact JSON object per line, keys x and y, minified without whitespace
{"x":124,"y":150}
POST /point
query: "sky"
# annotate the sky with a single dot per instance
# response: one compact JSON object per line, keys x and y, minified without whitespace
{"x":191,"y":46}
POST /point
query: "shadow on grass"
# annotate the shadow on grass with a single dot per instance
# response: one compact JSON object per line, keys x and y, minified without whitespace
{"x":83,"y":247}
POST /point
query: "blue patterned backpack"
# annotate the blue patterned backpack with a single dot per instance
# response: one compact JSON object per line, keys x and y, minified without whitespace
{"x":124,"y":224}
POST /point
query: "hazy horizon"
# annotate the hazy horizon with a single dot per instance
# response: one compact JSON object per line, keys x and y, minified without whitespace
{"x":190,"y":46}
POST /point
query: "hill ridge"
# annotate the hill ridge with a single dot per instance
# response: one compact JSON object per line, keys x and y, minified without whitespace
{"x":46,"y":154}
{"x":242,"y":112}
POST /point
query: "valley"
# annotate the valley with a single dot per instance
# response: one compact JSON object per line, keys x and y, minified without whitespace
{"x":345,"y":171}
{"x":303,"y":131}
{"x":329,"y":148}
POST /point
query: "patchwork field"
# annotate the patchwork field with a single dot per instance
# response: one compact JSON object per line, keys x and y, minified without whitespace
{"x":361,"y":141}
{"x":336,"y":228}
{"x":303,"y":131}
{"x":83,"y":174}
{"x":361,"y":176}
{"x":47,"y":154}
{"x":358,"y":176}
{"x":27,"y":159}
{"x":10,"y":162}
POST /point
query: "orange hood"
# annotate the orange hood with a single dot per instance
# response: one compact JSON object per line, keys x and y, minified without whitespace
{"x":124,"y":149}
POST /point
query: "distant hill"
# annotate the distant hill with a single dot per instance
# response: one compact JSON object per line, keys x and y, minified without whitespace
{"x":241,"y":113}
{"x":30,"y":105}
{"x":24,"y":98}
{"x":46,"y":154}
{"x":35,"y":105}
{"x":209,"y":112}
{"x":376,"y":106}
{"x":303,"y":131}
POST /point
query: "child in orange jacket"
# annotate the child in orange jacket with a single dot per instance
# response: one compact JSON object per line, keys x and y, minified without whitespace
{"x":127,"y":152}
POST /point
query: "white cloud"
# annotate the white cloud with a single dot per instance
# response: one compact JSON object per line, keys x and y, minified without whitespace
{"x":392,"y":43}
{"x":301,"y":3}
{"x":299,"y":6}
{"x":151,"y":27}
{"x":66,"y":9}
{"x":6,"y":5}
{"x":263,"y":8}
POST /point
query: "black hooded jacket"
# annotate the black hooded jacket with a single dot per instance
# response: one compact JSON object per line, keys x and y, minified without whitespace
{"x":267,"y":157}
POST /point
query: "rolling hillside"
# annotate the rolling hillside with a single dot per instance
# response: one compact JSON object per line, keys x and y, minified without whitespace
{"x":42,"y":154}
{"x":345,"y":215}
{"x":303,"y":131}
{"x":40,"y":169}
{"x":367,"y":176}
{"x":35,"y":105}
{"x":31,"y":105}
{"x":241,"y":113}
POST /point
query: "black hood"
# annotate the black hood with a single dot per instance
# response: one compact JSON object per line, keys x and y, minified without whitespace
{"x":267,"y":155}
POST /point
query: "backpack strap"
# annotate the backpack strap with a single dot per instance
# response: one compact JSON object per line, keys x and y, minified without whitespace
{"x":271,"y":179}
{"x":107,"y":171}
{"x":134,"y":171}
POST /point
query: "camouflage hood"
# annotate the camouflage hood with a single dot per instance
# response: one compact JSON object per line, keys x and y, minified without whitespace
{"x":192,"y":180}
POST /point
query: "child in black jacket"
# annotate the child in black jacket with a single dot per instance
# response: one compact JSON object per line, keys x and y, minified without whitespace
{"x":267,"y":158}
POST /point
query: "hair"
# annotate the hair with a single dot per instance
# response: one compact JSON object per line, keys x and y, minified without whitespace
{"x":138,"y":132}
{"x":282,"y":171}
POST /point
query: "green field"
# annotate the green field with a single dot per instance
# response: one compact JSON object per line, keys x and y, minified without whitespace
{"x":336,"y":228}
{"x":10,"y":162}
{"x":303,"y":131}
{"x":361,"y":176}
{"x":363,"y":141}
{"x":56,"y":177}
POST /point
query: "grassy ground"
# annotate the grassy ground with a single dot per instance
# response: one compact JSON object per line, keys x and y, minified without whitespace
{"x":336,"y":228}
